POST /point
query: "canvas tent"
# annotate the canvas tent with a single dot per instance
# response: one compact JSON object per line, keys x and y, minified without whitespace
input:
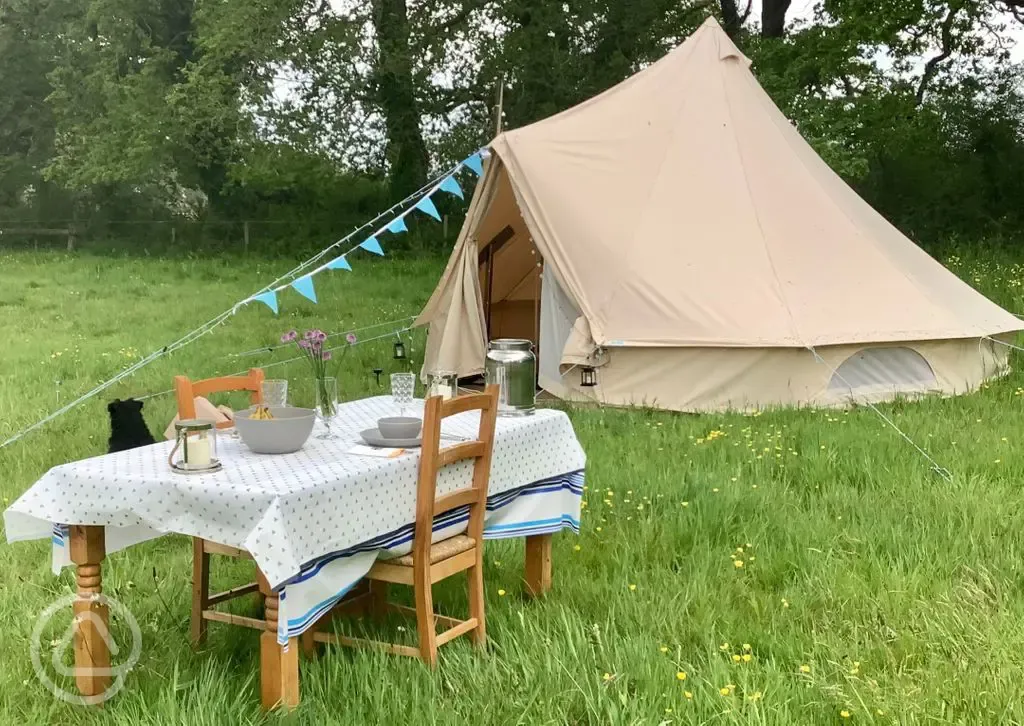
{"x":678,"y":235}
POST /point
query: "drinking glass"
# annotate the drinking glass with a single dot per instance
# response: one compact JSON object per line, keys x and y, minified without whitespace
{"x":402,"y":387}
{"x":275,"y":392}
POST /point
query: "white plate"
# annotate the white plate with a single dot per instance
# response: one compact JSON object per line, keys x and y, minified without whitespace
{"x":374,"y":438}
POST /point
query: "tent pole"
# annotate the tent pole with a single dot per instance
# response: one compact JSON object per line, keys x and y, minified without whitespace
{"x":490,"y":281}
{"x":501,"y":104}
{"x":536,"y":315}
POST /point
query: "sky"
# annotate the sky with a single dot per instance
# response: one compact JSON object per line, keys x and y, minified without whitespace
{"x":804,"y":10}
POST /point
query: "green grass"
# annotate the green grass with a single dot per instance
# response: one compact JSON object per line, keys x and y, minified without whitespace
{"x":854,"y":552}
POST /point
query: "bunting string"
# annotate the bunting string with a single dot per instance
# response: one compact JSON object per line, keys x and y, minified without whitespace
{"x":268,"y":294}
{"x":272,"y":348}
{"x":268,"y":366}
{"x":302,"y":282}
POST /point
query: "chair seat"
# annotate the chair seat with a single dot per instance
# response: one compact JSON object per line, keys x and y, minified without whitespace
{"x":440,"y":550}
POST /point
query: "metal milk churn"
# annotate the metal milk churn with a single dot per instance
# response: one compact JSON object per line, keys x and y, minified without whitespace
{"x":512,"y":365}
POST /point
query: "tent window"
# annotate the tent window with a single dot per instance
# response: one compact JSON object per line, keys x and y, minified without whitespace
{"x":899,"y":369}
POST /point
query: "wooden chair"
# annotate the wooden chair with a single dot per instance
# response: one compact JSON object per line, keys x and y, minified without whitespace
{"x":203,"y":602}
{"x":429,"y":563}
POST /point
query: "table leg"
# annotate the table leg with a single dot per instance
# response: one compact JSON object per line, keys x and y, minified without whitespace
{"x":279,"y":665}
{"x":92,"y":616}
{"x":538,"y":564}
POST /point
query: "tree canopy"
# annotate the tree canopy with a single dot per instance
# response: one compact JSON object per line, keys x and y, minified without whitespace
{"x":310,"y":109}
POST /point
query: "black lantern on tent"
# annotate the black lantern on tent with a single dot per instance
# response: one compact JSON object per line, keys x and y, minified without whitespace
{"x":588,"y":377}
{"x":399,"y":350}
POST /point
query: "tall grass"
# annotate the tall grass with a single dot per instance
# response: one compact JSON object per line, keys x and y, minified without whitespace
{"x":790,"y":568}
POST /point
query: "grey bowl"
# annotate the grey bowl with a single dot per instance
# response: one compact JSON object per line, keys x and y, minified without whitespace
{"x":399,"y":427}
{"x":283,"y":434}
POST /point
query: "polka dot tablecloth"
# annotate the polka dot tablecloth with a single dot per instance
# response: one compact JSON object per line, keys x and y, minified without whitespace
{"x":285,"y":510}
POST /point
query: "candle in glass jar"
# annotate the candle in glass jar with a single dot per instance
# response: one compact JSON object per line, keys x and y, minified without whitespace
{"x":197,"y":450}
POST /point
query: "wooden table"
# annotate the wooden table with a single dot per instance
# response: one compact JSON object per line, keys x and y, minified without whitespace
{"x":269,"y":506}
{"x":279,"y":665}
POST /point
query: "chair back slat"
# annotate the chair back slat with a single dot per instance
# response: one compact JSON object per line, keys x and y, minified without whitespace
{"x":186,"y":390}
{"x":433,"y":458}
{"x":454,"y":500}
{"x":459,"y":452}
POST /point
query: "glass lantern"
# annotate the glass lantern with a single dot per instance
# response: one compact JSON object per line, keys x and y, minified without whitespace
{"x":444,"y":384}
{"x":195,"y":447}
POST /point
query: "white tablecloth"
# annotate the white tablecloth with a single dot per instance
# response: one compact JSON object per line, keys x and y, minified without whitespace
{"x":315,"y":520}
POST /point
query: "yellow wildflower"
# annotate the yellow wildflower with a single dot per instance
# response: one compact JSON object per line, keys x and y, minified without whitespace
{"x":607,"y":676}
{"x":723,"y":647}
{"x":746,"y":647}
{"x":663,"y":649}
{"x":844,"y":713}
{"x":736,"y":658}
{"x":501,"y":593}
{"x":805,"y":668}
{"x":577,"y":548}
{"x":688,"y":694}
{"x":737,"y":564}
{"x":747,"y":657}
{"x":724,"y":691}
{"x":681,"y":675}
{"x":632,"y":588}
{"x":686,"y":504}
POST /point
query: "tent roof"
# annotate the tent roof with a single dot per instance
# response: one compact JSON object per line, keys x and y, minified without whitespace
{"x":682,"y":208}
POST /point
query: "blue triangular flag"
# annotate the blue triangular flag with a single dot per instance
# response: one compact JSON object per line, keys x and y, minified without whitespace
{"x":304,"y":286}
{"x":475,"y":163}
{"x":427,"y":207}
{"x":451,"y":186}
{"x":372,"y":245}
{"x":269,"y":299}
{"x":398,"y":225}
{"x":339,"y":263}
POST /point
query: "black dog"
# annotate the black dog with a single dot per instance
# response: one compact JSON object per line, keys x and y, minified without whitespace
{"x":127,"y":427}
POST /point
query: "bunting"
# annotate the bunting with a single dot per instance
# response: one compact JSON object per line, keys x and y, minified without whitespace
{"x":451,"y":185}
{"x":304,"y":286}
{"x":339,"y":263}
{"x":372,"y":245}
{"x":475,"y":163}
{"x":427,"y":207}
{"x":269,"y":299}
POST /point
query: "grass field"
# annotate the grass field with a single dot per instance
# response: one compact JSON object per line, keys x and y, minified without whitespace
{"x":798,"y":567}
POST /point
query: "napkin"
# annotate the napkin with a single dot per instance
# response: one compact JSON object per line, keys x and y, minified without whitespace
{"x":379,"y":453}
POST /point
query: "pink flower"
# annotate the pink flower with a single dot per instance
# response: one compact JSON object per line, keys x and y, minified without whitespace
{"x":309,"y":335}
{"x":321,"y":336}
{"x":350,"y":338}
{"x":304,"y":344}
{"x":326,"y":355}
{"x":289,"y":336}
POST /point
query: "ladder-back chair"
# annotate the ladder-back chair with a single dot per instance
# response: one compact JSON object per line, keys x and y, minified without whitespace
{"x":203,"y":603}
{"x":428,"y":562}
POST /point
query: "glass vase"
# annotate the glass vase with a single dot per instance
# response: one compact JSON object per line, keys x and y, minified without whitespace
{"x":326,"y":390}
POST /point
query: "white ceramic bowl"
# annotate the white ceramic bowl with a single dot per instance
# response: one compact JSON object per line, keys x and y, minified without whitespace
{"x":399,"y":427}
{"x":283,"y":434}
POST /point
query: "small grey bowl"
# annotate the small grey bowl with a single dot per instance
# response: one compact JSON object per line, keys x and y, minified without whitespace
{"x":283,"y":434}
{"x":399,"y":427}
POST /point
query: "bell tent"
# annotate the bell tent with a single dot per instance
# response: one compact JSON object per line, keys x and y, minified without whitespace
{"x":675,"y":243}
